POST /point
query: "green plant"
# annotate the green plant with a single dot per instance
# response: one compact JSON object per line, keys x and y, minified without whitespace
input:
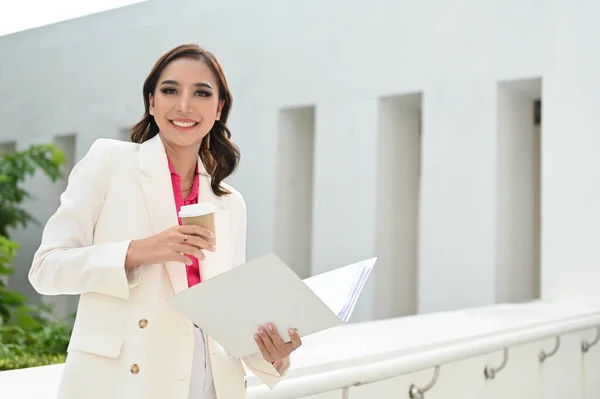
{"x":15,"y":167}
{"x":8,"y":300}
{"x":27,"y":335}
{"x":20,"y":347}
{"x":28,"y":360}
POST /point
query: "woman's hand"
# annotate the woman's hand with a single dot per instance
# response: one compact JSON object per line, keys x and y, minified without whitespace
{"x":272,"y":347}
{"x":170,"y":246}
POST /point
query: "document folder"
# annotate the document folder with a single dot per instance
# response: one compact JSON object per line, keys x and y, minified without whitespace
{"x":232,"y":305}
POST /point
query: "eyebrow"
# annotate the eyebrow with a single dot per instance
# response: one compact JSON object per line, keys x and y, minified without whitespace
{"x":175,"y":83}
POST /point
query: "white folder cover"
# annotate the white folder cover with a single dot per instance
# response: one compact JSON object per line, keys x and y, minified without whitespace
{"x":232,"y":305}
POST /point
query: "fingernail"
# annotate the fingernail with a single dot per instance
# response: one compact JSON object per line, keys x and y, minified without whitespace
{"x":213,"y":248}
{"x":256,"y":337}
{"x":261,"y":330}
{"x":271,"y":327}
{"x":292,"y":331}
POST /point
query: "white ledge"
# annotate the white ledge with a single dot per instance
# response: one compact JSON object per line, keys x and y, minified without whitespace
{"x":361,"y":353}
{"x":358,"y":354}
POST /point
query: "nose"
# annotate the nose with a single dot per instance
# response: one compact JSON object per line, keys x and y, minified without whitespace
{"x":183,"y":105}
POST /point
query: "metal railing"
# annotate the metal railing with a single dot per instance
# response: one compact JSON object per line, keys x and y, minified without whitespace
{"x":422,"y":349}
{"x":578,"y":318}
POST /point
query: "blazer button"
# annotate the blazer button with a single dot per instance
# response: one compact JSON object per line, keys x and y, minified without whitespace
{"x":143,"y":323}
{"x":135,"y":369}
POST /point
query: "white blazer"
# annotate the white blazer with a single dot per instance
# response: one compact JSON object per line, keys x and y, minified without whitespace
{"x":127,"y":342}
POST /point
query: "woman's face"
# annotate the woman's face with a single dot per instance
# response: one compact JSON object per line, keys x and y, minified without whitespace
{"x":186,"y":102}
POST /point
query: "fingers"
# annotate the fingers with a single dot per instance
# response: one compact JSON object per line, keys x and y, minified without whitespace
{"x":187,"y":250}
{"x":181,"y":257}
{"x":267,"y":349}
{"x":278,"y":343}
{"x":267,"y":341}
{"x":272,"y":346}
{"x":195,"y":236}
{"x":194,"y":230}
{"x":263,"y":349}
{"x":296,"y":341}
{"x":198,"y":242}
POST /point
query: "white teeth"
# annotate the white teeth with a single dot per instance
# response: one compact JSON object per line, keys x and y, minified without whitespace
{"x":184,"y":124}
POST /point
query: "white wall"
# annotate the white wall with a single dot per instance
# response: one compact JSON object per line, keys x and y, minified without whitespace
{"x":570,"y":163}
{"x":85,"y":76}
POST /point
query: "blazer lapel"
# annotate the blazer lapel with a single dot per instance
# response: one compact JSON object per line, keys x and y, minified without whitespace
{"x":158,"y":191}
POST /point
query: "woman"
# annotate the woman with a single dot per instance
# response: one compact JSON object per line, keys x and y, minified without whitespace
{"x":117,"y":241}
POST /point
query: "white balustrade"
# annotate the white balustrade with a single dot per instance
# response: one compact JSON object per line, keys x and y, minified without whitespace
{"x":534,"y":350}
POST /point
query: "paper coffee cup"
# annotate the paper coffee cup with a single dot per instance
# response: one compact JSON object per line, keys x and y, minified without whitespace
{"x":202,"y":214}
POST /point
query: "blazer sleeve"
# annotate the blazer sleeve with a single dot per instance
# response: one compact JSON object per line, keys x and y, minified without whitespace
{"x":256,"y":363}
{"x":67,"y":261}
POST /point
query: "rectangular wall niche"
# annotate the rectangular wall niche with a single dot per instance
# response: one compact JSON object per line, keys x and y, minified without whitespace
{"x":519,"y":128}
{"x":398,"y":185}
{"x":293,"y":222}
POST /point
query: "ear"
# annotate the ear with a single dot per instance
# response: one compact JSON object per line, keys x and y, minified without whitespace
{"x":151,"y":101}
{"x":220,"y":108}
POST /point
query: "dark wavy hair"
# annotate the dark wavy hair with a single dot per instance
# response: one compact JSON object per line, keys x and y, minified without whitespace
{"x":221,"y":157}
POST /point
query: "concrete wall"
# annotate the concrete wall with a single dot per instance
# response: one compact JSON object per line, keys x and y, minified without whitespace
{"x":435,"y":164}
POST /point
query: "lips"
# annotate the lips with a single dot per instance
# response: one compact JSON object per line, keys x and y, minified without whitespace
{"x":184,"y":124}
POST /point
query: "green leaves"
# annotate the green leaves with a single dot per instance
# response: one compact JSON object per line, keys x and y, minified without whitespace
{"x":28,"y":337}
{"x":8,"y":250}
{"x":28,"y":360}
{"x":21,"y":347}
{"x":52,"y":338}
{"x":9,"y":301}
{"x":15,"y":167}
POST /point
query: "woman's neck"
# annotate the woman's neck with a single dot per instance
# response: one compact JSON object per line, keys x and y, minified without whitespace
{"x":184,"y":161}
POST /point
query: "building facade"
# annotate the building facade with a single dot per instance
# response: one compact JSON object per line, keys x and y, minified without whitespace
{"x":456,"y":140}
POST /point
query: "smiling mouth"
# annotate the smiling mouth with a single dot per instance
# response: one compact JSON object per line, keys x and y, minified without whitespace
{"x":185,"y":125}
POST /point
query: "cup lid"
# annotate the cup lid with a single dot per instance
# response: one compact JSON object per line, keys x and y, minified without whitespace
{"x":193,"y":210}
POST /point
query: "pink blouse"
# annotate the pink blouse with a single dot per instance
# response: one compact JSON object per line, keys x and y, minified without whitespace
{"x":193,"y":271}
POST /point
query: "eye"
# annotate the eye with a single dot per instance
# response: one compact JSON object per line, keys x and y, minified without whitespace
{"x":168,"y":90}
{"x":203,"y":93}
